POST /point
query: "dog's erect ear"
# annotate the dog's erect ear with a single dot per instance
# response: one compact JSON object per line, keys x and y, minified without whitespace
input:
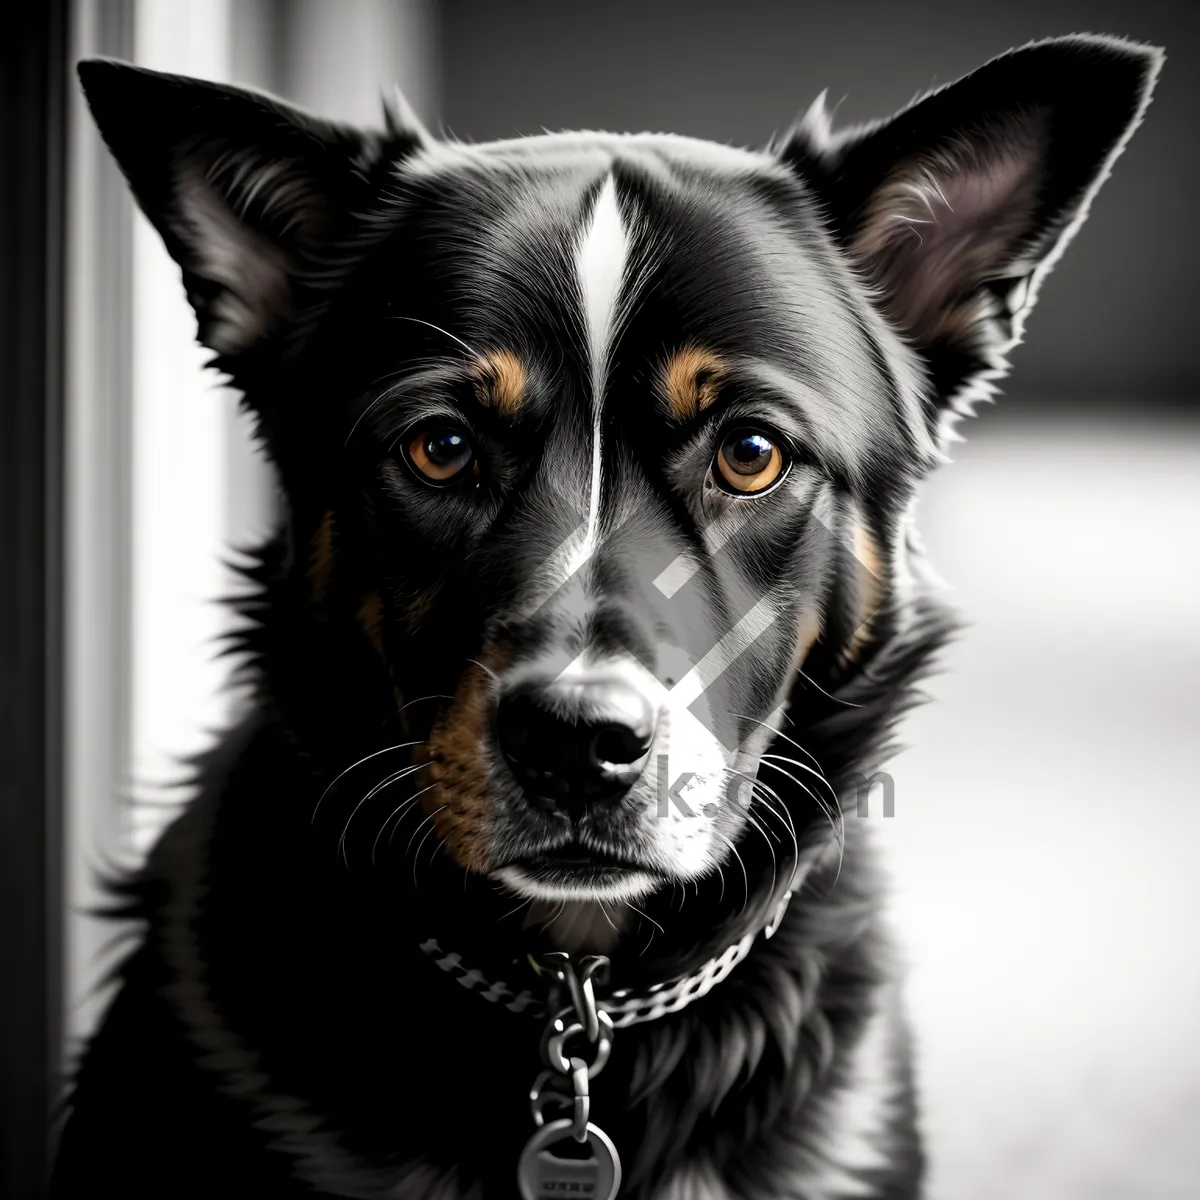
{"x":245,"y":190}
{"x":958,"y":206}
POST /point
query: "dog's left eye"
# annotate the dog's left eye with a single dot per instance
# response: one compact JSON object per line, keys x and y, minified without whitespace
{"x":748,"y":462}
{"x":441,"y":454}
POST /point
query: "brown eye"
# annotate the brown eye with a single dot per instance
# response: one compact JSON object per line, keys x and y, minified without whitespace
{"x":748,"y":462}
{"x":441,"y":454}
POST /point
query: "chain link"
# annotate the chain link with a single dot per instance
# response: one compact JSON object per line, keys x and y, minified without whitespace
{"x":566,"y":1080}
{"x":582,"y":1106}
{"x":558,"y":1032}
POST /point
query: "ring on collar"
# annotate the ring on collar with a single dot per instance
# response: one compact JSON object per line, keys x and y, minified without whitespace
{"x":558,"y":1033}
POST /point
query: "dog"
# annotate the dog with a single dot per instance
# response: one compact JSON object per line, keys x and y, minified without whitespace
{"x":597,"y":589}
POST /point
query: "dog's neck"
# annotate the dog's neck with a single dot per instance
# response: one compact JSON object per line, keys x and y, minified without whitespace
{"x":579,"y":926}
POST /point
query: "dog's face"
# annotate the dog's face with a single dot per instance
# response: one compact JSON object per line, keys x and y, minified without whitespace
{"x":639,"y":394}
{"x":606,"y":444}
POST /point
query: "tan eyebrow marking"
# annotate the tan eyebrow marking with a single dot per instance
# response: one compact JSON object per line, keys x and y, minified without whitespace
{"x":690,"y":380}
{"x":500,"y":380}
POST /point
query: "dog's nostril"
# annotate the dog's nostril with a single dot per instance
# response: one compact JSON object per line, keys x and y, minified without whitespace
{"x":620,"y":745}
{"x":576,"y":740}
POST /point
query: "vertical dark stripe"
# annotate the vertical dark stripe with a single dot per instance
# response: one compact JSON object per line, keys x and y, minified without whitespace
{"x":32,"y":154}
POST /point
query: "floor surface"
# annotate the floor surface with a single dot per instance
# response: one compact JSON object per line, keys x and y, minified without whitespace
{"x":1046,"y":838}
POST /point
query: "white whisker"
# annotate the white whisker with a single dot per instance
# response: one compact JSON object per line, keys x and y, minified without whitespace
{"x":779,"y":733}
{"x":745,"y":877}
{"x":397,"y":813}
{"x":821,"y":803}
{"x":817,"y":774}
{"x":774,"y":865}
{"x":429,"y":817}
{"x":757,"y":788}
{"x":765,"y":793}
{"x":630,"y":904}
{"x":827,"y":695}
{"x":417,"y":856}
{"x":487,"y":670}
{"x":422,"y":699}
{"x":512,"y":911}
{"x":835,"y":824}
{"x":439,"y":329}
{"x":438,"y":845}
{"x":358,"y":763}
{"x":379,"y":787}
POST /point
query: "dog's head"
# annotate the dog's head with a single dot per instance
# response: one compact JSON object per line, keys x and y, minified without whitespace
{"x":602,"y":446}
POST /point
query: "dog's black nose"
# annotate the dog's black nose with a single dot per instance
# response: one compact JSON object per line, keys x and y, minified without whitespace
{"x":575,"y":741}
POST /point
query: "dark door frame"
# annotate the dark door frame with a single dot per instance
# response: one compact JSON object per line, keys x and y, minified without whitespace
{"x":32,"y":156}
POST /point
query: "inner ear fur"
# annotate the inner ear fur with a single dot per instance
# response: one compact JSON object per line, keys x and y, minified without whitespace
{"x":246,"y":192}
{"x":955,"y":209}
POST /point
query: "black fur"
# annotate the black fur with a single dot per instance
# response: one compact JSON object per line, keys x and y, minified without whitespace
{"x":278,"y":1031}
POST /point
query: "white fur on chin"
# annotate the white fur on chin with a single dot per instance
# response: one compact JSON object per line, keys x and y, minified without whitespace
{"x":629,"y":886}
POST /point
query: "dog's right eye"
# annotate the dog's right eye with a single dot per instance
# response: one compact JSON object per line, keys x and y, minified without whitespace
{"x":441,"y":455}
{"x":749,"y":463}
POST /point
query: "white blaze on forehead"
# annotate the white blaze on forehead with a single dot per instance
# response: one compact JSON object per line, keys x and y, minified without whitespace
{"x":600,"y":261}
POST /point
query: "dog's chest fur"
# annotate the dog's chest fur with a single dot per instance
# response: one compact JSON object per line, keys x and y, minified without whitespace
{"x":296,"y":1055}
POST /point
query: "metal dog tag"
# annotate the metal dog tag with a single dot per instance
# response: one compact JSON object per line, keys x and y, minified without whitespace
{"x":542,"y":1174}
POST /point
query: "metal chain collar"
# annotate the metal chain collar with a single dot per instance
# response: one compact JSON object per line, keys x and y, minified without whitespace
{"x":622,"y":1007}
{"x":584,"y":1026}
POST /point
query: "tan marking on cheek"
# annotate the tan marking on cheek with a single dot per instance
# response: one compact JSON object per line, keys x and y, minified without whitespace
{"x":870,"y":587}
{"x":417,"y":610}
{"x":458,"y":798}
{"x":370,"y":618}
{"x":808,"y":629}
{"x":320,"y":558}
{"x":690,"y":381}
{"x":500,"y":381}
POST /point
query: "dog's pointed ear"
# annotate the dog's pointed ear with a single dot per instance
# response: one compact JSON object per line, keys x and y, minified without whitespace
{"x":956,"y":208}
{"x":245,"y":191}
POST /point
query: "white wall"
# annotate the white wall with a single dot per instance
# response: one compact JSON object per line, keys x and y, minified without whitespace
{"x":182,"y":462}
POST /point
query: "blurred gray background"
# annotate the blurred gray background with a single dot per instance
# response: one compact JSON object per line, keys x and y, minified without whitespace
{"x":1046,"y":814}
{"x":1121,"y":309}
